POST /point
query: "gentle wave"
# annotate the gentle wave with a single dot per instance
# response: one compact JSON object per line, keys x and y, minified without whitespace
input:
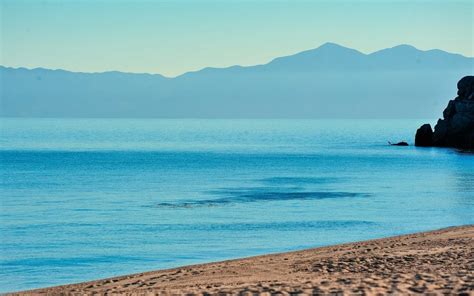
{"x":299,"y":180}
{"x":238,"y":226}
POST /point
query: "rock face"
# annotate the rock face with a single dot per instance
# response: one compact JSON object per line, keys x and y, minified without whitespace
{"x":424,"y":136}
{"x":457,"y":127}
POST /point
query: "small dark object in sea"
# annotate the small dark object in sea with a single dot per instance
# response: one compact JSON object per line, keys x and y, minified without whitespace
{"x":398,"y":144}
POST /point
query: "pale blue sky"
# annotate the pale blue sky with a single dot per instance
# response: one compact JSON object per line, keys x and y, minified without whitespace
{"x":172,"y":37}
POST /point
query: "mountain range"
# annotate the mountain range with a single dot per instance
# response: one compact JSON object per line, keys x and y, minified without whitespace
{"x":330,"y":81}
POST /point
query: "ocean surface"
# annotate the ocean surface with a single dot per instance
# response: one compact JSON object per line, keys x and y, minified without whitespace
{"x":83,"y":199}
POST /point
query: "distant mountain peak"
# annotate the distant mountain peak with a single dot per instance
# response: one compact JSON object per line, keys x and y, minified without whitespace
{"x":325,"y":53}
{"x":333,"y":47}
{"x":404,"y":47}
{"x":330,"y":45}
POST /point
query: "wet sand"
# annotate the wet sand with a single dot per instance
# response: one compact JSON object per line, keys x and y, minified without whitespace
{"x":436,"y":262}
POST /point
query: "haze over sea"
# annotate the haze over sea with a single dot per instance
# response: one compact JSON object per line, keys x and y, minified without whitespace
{"x":83,"y":199}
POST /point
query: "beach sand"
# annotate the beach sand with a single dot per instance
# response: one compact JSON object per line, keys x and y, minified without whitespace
{"x":437,"y":262}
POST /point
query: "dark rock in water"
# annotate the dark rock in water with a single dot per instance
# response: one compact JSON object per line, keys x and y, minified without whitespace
{"x":398,"y":144}
{"x":424,"y":136}
{"x":456,"y":129}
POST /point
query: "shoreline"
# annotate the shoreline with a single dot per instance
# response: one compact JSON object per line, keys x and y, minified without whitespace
{"x":438,"y":261}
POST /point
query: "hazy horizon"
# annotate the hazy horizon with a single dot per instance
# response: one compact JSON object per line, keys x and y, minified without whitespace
{"x":237,"y":65}
{"x":232,"y":59}
{"x":172,"y":38}
{"x":308,"y":84}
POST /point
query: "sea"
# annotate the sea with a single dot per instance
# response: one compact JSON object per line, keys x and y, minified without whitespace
{"x":83,"y":199}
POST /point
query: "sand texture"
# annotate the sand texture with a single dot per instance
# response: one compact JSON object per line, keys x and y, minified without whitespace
{"x":437,"y":262}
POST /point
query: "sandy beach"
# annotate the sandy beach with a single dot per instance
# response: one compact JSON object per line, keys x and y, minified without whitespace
{"x":436,"y":262}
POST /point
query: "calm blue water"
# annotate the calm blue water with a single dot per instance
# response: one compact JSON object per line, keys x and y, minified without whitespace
{"x":85,"y":199}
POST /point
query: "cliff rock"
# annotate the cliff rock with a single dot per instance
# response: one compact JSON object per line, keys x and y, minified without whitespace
{"x":456,"y":129}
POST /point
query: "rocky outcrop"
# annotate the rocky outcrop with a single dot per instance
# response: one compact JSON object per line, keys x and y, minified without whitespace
{"x":398,"y":144}
{"x":456,"y":129}
{"x":424,"y":136}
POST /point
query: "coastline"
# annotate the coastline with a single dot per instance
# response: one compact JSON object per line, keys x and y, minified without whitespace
{"x":439,"y":261}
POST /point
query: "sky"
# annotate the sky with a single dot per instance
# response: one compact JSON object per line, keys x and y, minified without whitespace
{"x":174,"y":37}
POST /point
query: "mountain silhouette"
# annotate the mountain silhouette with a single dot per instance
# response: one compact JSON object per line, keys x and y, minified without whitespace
{"x":330,"y":81}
